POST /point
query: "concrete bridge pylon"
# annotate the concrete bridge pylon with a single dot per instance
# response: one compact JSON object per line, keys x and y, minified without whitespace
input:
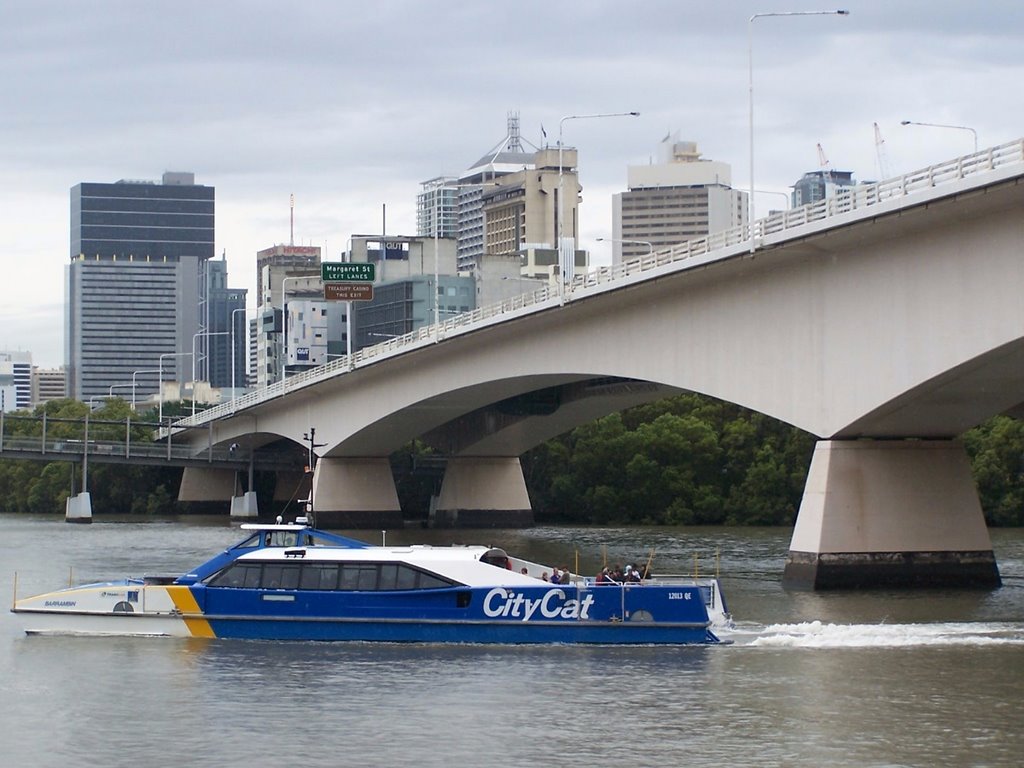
{"x":890,"y":513}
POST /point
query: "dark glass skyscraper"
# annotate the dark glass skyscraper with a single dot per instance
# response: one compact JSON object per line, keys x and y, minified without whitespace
{"x":136,"y":283}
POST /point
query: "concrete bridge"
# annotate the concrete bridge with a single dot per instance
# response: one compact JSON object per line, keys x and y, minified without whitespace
{"x":885,"y":321}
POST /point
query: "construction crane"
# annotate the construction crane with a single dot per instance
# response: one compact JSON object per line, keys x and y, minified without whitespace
{"x":826,"y":170}
{"x":884,"y":171}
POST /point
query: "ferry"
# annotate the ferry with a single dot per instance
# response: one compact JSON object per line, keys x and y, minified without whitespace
{"x":291,"y":581}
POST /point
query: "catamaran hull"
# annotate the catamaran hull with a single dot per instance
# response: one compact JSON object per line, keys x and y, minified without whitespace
{"x":497,"y":632}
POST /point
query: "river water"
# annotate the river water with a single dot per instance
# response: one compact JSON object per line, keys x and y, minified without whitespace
{"x":811,"y":679}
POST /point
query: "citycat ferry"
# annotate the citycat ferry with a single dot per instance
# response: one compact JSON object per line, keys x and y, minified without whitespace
{"x":295,"y":582}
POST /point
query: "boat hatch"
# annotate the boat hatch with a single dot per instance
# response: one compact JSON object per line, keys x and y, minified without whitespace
{"x":496,"y":557}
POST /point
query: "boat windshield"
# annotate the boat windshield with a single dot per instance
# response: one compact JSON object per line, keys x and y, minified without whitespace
{"x":280,"y":538}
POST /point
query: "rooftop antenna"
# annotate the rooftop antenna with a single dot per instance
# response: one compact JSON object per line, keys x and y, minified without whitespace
{"x":291,"y":237}
{"x":515,"y":143}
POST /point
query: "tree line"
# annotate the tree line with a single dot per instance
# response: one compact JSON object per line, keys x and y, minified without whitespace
{"x":684,"y":460}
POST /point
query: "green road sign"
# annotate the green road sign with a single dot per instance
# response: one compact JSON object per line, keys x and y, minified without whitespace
{"x":347,"y":272}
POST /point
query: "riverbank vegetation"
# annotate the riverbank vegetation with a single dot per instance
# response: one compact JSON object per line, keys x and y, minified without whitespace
{"x":684,"y":460}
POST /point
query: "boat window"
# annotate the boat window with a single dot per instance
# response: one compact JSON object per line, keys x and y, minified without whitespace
{"x":280,"y":576}
{"x":281,"y":538}
{"x":388,"y":576}
{"x":238,"y":575}
{"x":359,"y":576}
{"x":252,"y":541}
{"x":324,"y":577}
{"x":406,"y":578}
{"x":430,"y":581}
{"x":319,"y":576}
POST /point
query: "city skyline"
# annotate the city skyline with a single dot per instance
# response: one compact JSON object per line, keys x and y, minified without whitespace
{"x":349,"y":109}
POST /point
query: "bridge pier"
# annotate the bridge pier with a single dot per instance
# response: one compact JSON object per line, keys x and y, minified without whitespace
{"x":890,"y":514}
{"x":245,"y":507}
{"x":78,"y":508}
{"x":355,"y":493}
{"x":206,"y":484}
{"x":483,"y":492}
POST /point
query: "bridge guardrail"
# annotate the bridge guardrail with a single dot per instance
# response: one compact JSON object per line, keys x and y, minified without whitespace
{"x":847,"y":200}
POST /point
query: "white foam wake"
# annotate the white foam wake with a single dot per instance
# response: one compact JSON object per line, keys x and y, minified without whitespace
{"x":815,"y":634}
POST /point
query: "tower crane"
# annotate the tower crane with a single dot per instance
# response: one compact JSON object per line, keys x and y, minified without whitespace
{"x":884,"y":171}
{"x":826,"y":170}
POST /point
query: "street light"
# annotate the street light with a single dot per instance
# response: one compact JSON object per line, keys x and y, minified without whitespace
{"x":942,"y":125}
{"x":570,"y":261}
{"x":650,"y":246}
{"x":750,"y":86}
{"x":160,"y":370}
{"x":234,"y":384}
{"x":194,"y":337}
{"x":284,"y":318}
{"x":134,"y":374}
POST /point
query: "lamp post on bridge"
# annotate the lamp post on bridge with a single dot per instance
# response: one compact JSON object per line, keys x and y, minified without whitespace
{"x":234,"y":384}
{"x":136,"y":373}
{"x":160,"y":370}
{"x":567,"y":264}
{"x":650,"y":246}
{"x":750,"y":87}
{"x":942,"y":125}
{"x":194,"y":337}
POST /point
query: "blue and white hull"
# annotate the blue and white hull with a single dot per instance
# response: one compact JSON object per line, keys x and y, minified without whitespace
{"x":296,"y":583}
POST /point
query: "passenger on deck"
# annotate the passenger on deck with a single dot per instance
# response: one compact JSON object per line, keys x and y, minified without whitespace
{"x":603,"y":577}
{"x":544,"y":576}
{"x":556,"y":576}
{"x":525,"y":571}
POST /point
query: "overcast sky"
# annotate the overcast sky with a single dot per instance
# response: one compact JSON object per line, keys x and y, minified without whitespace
{"x":348,"y":106}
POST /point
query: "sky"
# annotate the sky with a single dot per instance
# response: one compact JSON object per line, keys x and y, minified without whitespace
{"x":349,"y":105}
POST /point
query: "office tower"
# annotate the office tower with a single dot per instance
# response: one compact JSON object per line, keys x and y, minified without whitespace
{"x":286,"y":276}
{"x":15,"y":381}
{"x":224,"y":363}
{"x":404,"y":297}
{"x":508,"y":156}
{"x":521,"y":212}
{"x":48,"y":384}
{"x":437,"y":208}
{"x":135,"y":283}
{"x":677,"y":198}
{"x":815,"y":186}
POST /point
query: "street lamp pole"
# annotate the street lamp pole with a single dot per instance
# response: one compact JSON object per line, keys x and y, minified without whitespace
{"x":566,"y":264}
{"x":134,"y":374}
{"x":194,"y":337}
{"x":284,"y":320}
{"x":942,"y":125}
{"x":750,"y":90}
{"x":234,"y":384}
{"x":160,"y":371}
{"x":650,"y":246}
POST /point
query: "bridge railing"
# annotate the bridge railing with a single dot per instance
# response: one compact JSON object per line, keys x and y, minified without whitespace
{"x":846,"y":200}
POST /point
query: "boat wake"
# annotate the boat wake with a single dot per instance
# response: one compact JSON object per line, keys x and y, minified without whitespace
{"x":816,"y":634}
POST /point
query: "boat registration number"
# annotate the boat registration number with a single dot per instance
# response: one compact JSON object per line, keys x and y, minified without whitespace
{"x":678,"y":595}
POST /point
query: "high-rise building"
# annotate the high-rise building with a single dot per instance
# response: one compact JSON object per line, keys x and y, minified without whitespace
{"x":15,"y":381}
{"x":508,"y":156}
{"x":286,"y":277}
{"x":48,"y":384}
{"x":677,"y":198}
{"x":815,"y":186}
{"x":404,"y":294}
{"x":437,"y":208}
{"x":521,"y":212}
{"x":224,"y":362}
{"x":136,"y":282}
